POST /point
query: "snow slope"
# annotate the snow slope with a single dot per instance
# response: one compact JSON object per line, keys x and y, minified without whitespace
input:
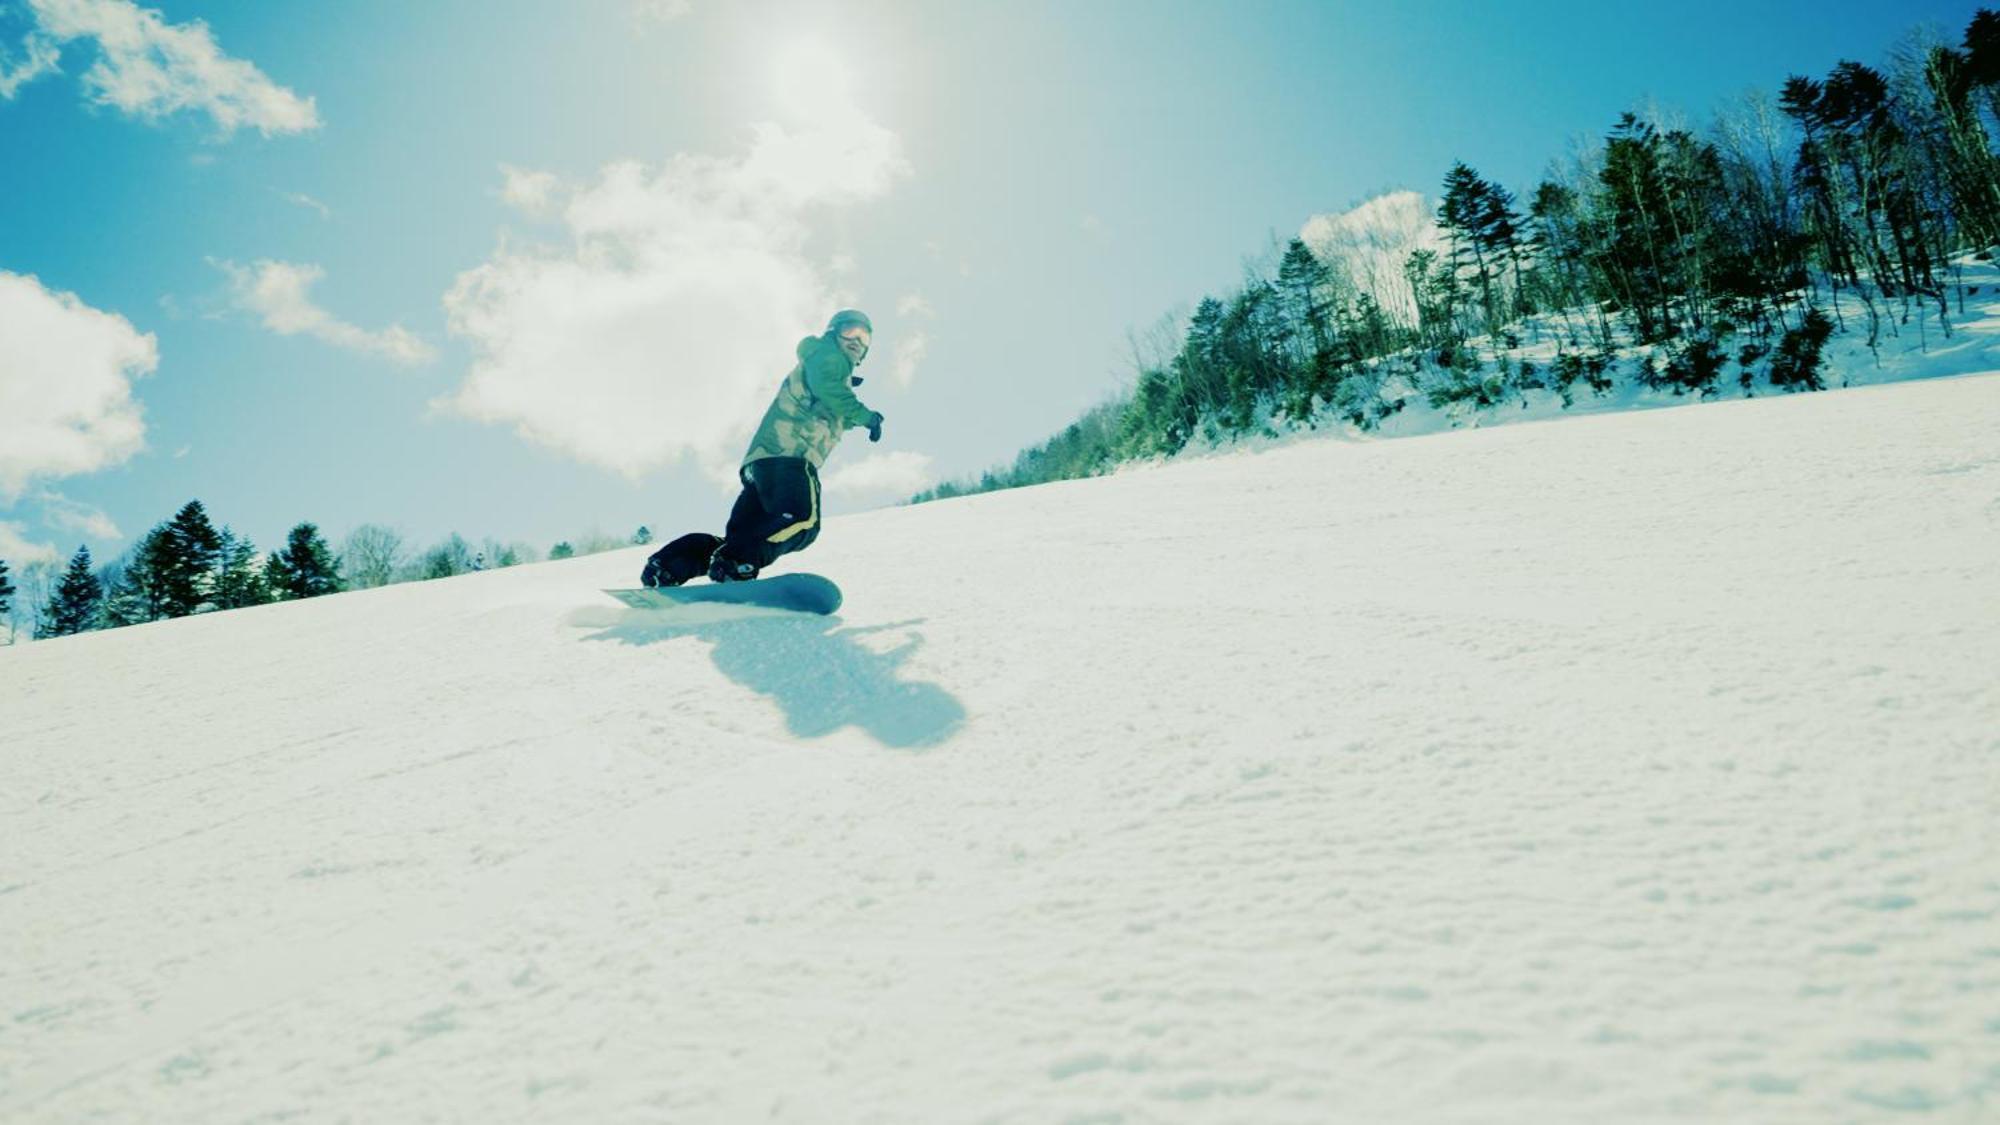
{"x":1626,"y":768}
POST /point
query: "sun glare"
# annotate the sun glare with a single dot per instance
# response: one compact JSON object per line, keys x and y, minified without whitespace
{"x":813,"y":81}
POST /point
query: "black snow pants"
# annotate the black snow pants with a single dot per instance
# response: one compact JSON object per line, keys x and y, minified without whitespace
{"x":776,"y":514}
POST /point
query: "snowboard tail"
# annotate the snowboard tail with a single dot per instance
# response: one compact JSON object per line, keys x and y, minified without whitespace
{"x":804,"y":593}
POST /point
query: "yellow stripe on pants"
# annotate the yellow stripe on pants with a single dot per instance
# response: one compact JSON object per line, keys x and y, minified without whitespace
{"x":811,"y":519}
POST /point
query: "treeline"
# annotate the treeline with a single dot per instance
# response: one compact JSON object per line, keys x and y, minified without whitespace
{"x":1666,"y":258}
{"x":187,"y":565}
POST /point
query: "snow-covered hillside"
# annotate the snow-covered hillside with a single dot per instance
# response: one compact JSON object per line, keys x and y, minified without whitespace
{"x":1624,"y":768}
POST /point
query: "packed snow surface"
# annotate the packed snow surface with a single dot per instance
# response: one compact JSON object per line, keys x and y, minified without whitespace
{"x":1624,"y":768}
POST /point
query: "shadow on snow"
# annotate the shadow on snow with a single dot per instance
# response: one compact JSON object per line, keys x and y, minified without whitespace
{"x":818,"y":671}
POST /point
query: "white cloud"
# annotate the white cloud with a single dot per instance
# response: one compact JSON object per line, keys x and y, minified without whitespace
{"x":1093,"y":225}
{"x":280,"y":293}
{"x":904,"y":356}
{"x":150,"y":68}
{"x":882,"y":476}
{"x":532,"y":193}
{"x":914,"y":304}
{"x":41,"y":59}
{"x":660,"y":11}
{"x":66,"y":374}
{"x":1371,"y":242}
{"x":60,"y":511}
{"x":308,"y":202}
{"x":18,"y":551}
{"x":660,"y":329}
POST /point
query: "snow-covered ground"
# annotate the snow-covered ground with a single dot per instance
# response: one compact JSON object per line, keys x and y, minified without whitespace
{"x":1626,"y":768}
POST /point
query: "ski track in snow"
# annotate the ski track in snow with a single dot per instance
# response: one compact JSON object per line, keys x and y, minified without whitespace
{"x":1630,"y":768}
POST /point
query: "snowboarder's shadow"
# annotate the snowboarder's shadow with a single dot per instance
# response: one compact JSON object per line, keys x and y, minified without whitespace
{"x":818,"y":671}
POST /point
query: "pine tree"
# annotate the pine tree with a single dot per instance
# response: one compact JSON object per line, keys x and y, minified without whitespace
{"x":73,"y":607}
{"x":452,"y":556}
{"x":1198,"y":365}
{"x":1982,"y":56}
{"x":643,"y":536}
{"x":305,"y":568}
{"x":185,"y":567}
{"x":1250,"y":347}
{"x":1561,"y":272}
{"x":1638,"y":256}
{"x":1971,"y":172}
{"x":6,"y":590}
{"x":1500,"y":238}
{"x":239,"y":575}
{"x":562,"y":550}
{"x":1304,"y":282}
{"x":1465,"y":214}
{"x":1982,"y":47}
{"x":136,"y":592}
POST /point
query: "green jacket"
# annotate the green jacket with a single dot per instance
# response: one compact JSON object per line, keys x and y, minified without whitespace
{"x":813,"y":407}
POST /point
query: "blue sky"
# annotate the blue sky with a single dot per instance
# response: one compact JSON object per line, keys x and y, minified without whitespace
{"x":524,"y":271}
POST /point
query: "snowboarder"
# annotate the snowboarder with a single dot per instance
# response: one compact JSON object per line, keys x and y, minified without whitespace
{"x":778,"y":510}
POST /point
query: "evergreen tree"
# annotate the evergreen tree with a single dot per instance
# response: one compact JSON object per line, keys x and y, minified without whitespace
{"x":1982,"y":47}
{"x":642,"y":536}
{"x":562,"y":550}
{"x":1556,"y":243}
{"x":6,"y":590}
{"x":136,"y":591}
{"x":1198,"y":365}
{"x":1304,"y":285}
{"x":1499,"y":232}
{"x":185,"y":565}
{"x":305,"y":568}
{"x":1982,"y":56}
{"x":1869,"y":180}
{"x":453,"y":556}
{"x":239,"y":577}
{"x":1434,"y":283}
{"x":1971,"y":172}
{"x":1638,"y":256}
{"x":73,"y":607}
{"x":1250,"y":348}
{"x":1469,"y":214}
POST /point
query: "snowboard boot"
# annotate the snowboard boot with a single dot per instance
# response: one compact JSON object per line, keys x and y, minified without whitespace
{"x":680,"y":560}
{"x":722,"y":568}
{"x":656,"y":574}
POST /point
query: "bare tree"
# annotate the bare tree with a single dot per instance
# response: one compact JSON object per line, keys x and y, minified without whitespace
{"x":371,"y":555}
{"x":32,"y":587}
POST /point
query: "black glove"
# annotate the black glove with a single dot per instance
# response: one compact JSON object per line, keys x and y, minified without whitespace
{"x":854,"y":380}
{"x":875,"y":426}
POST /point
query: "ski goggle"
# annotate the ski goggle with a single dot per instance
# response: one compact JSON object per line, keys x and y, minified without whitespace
{"x":856,"y":332}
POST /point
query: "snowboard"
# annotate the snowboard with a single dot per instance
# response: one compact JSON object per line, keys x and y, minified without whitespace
{"x":806,"y":593}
